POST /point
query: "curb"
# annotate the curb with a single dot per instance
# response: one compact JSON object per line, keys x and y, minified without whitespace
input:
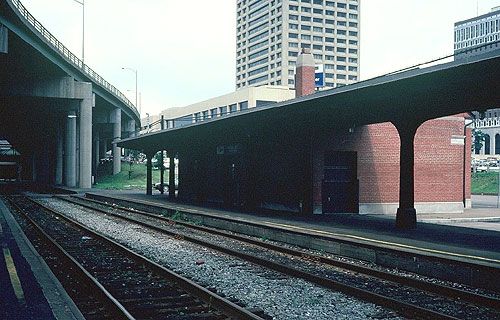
{"x":460,"y":220}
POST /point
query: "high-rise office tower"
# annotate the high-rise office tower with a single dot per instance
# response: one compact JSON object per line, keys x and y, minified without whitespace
{"x":271,"y":33}
{"x":477,"y":35}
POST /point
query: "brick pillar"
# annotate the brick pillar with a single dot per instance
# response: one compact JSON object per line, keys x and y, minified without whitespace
{"x":304,"y":74}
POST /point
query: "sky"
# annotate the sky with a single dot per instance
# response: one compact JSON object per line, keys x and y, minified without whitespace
{"x":184,"y":51}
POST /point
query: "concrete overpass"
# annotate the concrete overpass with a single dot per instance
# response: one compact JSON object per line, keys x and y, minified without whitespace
{"x":406,"y":99}
{"x":55,"y":110}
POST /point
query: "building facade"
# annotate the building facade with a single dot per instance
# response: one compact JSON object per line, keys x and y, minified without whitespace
{"x":271,"y":33}
{"x":477,"y":35}
{"x":246,"y":98}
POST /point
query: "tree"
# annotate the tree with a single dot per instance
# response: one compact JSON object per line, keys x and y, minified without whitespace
{"x":477,"y":140}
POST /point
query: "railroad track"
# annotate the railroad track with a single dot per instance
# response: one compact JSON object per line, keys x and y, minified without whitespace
{"x":408,"y":296}
{"x":401,"y":293}
{"x":115,"y":282}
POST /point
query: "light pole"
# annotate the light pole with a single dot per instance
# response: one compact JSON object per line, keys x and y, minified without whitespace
{"x":82,"y":3}
{"x":134,"y":71}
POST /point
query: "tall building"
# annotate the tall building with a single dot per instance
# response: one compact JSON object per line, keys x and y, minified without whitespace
{"x":271,"y":33}
{"x":477,"y":35}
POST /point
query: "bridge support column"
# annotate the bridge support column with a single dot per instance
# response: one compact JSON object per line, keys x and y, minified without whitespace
{"x":4,"y":39}
{"x":171,"y":175}
{"x":131,"y":128}
{"x":70,"y":151}
{"x":149,"y":173}
{"x":406,"y":216}
{"x":85,"y":135}
{"x":59,"y":156}
{"x":104,"y":148}
{"x":97,"y":149}
{"x":116,"y":118}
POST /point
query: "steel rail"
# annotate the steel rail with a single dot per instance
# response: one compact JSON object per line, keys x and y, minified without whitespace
{"x":225,"y":306}
{"x":116,"y":307}
{"x":440,"y":289}
{"x":404,"y":308}
{"x":447,"y":291}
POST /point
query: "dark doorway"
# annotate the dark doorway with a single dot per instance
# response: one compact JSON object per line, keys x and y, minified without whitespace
{"x":340,"y":187}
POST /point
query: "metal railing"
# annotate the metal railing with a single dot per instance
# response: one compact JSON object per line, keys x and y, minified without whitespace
{"x":68,"y":55}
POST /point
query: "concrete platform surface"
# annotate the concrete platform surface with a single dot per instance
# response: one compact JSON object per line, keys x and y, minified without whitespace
{"x":450,"y":240}
{"x":29,"y":289}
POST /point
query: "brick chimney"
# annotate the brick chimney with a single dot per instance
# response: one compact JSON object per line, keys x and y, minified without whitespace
{"x":304,"y":74}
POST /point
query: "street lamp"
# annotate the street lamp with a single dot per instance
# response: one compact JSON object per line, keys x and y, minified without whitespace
{"x":134,"y":71}
{"x":82,"y":3}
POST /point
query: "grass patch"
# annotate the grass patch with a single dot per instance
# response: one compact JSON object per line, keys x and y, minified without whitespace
{"x":106,"y":180}
{"x":484,"y":183}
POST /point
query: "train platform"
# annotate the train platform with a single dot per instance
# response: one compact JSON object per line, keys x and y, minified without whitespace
{"x":468,"y":244}
{"x":29,"y":290}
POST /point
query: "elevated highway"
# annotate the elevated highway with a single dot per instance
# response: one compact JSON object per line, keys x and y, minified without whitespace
{"x":56,"y":111}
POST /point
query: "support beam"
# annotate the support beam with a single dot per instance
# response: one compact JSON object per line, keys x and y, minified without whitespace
{"x":171,"y":175}
{"x":116,"y":119}
{"x":59,"y":156}
{"x":85,"y":136}
{"x":4,"y":39}
{"x":97,"y":150}
{"x":406,"y":216}
{"x":149,"y":174}
{"x":70,"y":151}
{"x":162,"y":167}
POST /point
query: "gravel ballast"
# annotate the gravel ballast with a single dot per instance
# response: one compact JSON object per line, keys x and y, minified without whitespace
{"x":279,"y":296}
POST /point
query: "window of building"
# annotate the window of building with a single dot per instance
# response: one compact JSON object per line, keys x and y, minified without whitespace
{"x":233,"y":108}
{"x":223,"y":110}
{"x":213,"y":112}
